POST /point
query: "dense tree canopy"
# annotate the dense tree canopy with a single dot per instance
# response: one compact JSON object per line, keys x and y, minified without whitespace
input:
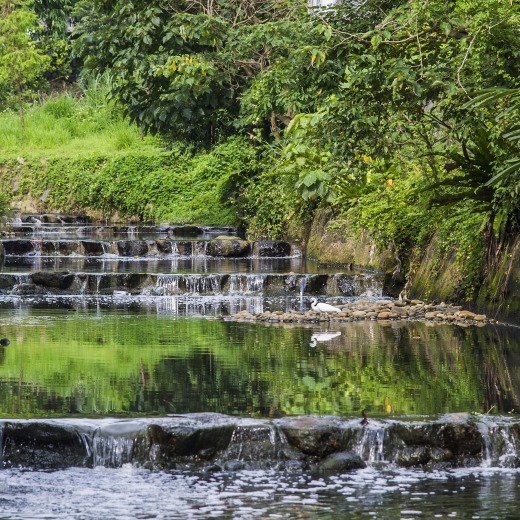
{"x":182,"y":67}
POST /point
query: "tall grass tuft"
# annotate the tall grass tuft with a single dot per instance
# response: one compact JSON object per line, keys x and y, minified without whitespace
{"x":81,"y":122}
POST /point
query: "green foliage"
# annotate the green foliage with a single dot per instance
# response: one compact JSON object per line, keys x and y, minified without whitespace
{"x":4,"y":204}
{"x":70,"y":124}
{"x":267,"y":206}
{"x":145,"y":184}
{"x":22,"y":64}
{"x":182,"y":67}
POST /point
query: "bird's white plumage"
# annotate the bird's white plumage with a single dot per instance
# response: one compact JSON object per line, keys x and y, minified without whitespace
{"x":323,"y":307}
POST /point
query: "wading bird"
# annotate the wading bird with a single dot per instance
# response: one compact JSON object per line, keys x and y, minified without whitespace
{"x":323,"y":307}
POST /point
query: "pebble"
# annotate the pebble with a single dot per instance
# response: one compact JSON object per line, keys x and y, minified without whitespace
{"x":381,"y":310}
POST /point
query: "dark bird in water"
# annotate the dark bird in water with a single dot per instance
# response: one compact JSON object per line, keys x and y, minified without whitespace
{"x":364,"y":421}
{"x":4,"y":342}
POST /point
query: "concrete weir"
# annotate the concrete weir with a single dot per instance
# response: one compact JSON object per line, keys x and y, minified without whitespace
{"x":215,"y":442}
{"x":66,"y":283}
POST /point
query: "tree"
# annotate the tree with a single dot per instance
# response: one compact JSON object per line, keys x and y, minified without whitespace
{"x":54,"y":38}
{"x":409,"y":69}
{"x":182,"y":68}
{"x":21,"y":64}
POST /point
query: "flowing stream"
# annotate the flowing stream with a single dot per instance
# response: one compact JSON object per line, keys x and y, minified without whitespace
{"x":115,"y":346}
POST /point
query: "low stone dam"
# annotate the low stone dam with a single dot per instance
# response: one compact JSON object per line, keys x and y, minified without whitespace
{"x":215,"y":442}
{"x":150,"y":284}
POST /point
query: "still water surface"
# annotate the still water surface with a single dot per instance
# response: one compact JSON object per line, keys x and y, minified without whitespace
{"x":131,"y":361}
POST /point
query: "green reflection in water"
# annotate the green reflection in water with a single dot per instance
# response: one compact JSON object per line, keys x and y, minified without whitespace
{"x":121,"y":363}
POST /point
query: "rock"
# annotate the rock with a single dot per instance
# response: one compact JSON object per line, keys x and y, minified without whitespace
{"x":271,"y":248}
{"x":44,"y":446}
{"x":383,"y":315}
{"x":92,"y":247}
{"x":187,"y":231}
{"x":27,"y":289}
{"x":465,"y":314}
{"x":228,"y":247}
{"x":18,"y":247}
{"x":50,"y":219}
{"x":55,"y":280}
{"x":319,"y":436}
{"x":132,"y":248}
{"x":413,"y":456}
{"x":341,"y":461}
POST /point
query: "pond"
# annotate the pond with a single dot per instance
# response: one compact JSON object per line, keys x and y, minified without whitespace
{"x":139,"y":353}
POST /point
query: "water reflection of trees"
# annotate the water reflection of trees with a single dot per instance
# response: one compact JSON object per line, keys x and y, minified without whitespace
{"x":149,"y":366}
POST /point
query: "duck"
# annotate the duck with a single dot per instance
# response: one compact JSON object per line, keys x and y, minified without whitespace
{"x":364,"y":421}
{"x":323,"y":307}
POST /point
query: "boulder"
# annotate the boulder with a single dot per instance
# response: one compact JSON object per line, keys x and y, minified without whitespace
{"x":341,"y":461}
{"x":228,"y":246}
{"x":132,"y":248}
{"x":271,"y":248}
{"x":55,"y":280}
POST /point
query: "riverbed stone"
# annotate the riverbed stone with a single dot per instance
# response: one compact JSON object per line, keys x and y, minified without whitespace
{"x":133,"y":248}
{"x":314,"y":435}
{"x":44,"y":445}
{"x":92,"y":247}
{"x":18,"y":247}
{"x":186,"y":231}
{"x":228,"y":246}
{"x":204,"y":441}
{"x":53,"y":280}
{"x":271,"y":248}
{"x":385,"y":311}
{"x":340,"y":462}
{"x":413,"y":456}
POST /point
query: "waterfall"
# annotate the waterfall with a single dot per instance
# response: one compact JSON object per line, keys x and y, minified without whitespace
{"x":200,"y":284}
{"x":111,"y":451}
{"x":169,"y":283}
{"x":246,"y":283}
{"x":500,"y":445}
{"x":303,"y":285}
{"x":109,"y":248}
{"x":359,"y":284}
{"x":370,"y":444}
{"x":260,"y":446}
{"x":191,"y":283}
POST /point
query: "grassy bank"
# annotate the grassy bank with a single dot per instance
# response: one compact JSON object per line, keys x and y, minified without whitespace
{"x":79,"y":154}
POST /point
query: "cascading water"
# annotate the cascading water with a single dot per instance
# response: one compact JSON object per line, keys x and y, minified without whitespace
{"x":370,"y":444}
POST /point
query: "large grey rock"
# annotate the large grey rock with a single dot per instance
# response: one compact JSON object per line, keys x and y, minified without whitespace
{"x":53,"y":280}
{"x":228,"y":247}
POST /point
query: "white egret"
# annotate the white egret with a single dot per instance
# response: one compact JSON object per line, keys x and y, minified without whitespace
{"x":323,"y":307}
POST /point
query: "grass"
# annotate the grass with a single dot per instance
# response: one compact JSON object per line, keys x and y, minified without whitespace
{"x":79,"y":122}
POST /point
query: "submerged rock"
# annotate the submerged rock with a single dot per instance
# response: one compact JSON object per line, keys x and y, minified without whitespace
{"x":271,"y":248}
{"x":341,"y":461}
